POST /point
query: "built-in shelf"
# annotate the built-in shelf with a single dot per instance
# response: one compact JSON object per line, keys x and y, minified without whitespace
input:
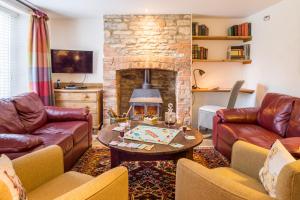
{"x":223,"y":60}
{"x":244,"y":38}
{"x":243,"y":90}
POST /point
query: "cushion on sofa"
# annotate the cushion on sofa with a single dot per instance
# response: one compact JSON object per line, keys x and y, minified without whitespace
{"x":12,"y":143}
{"x":294,"y":123}
{"x":275,"y":112}
{"x":62,"y":140}
{"x":10,"y":184}
{"x":277,"y":158}
{"x":31,"y":111}
{"x":60,"y":114}
{"x":77,"y":129}
{"x":233,"y":132}
{"x":9,"y":119}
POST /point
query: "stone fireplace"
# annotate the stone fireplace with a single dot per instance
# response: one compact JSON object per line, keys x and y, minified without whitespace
{"x":133,"y":43}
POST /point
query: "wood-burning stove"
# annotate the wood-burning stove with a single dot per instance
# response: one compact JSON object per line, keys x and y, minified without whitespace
{"x":145,"y":101}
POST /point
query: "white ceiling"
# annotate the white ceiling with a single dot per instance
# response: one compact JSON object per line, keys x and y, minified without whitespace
{"x":94,"y":8}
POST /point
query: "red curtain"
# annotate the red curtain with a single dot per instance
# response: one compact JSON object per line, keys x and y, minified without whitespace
{"x":39,"y":51}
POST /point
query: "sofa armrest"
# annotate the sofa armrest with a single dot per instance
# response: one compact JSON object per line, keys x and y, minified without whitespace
{"x":58,"y":114}
{"x":111,"y":185}
{"x":248,"y":158}
{"x":238,"y":115}
{"x":39,"y":167}
{"x":292,"y":144}
{"x":194,"y":181}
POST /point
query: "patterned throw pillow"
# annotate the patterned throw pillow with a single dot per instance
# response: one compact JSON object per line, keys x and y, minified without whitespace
{"x":9,"y":179}
{"x":277,"y":158}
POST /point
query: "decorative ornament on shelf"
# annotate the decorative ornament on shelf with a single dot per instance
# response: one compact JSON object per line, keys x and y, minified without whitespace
{"x":170,"y":116}
{"x":201,"y":73}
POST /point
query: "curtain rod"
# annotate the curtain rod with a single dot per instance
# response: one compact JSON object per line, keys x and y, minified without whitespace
{"x":30,"y":5}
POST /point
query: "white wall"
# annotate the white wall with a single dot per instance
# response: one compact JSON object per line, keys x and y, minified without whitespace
{"x":276,"y":49}
{"x":79,"y":34}
{"x":275,"y":53}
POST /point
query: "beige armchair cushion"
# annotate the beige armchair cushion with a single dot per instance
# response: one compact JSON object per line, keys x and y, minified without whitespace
{"x":59,"y":186}
{"x":239,"y":177}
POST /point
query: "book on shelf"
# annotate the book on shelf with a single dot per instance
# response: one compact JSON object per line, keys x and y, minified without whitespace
{"x":199,"y":30}
{"x":241,"y":52}
{"x":243,"y":29}
{"x":199,"y":52}
{"x":194,"y":28}
{"x":203,"y":30}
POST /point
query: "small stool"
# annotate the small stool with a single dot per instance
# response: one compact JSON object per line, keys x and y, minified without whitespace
{"x":206,"y":114}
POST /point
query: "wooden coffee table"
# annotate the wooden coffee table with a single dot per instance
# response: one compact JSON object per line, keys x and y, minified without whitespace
{"x":158,"y":152}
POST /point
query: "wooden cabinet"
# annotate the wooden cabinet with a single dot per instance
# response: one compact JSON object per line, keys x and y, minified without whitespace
{"x":85,"y":98}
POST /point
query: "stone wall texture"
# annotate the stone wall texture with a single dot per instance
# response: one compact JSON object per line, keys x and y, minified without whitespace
{"x":161,"y":42}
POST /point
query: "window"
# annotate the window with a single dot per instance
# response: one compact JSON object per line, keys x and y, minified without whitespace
{"x":7,"y":51}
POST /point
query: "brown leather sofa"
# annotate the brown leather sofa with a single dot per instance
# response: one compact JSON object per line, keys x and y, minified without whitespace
{"x":277,"y":118}
{"x":26,"y":125}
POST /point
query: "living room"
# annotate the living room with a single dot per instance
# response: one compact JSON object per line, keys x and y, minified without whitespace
{"x":149,"y":100}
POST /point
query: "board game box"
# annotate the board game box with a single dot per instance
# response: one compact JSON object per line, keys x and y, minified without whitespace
{"x":151,"y":134}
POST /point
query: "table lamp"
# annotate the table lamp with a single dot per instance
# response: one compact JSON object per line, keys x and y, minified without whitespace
{"x":201,"y":72}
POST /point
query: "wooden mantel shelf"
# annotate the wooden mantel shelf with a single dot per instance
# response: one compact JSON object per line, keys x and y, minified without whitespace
{"x":243,"y":90}
{"x":244,"y":38}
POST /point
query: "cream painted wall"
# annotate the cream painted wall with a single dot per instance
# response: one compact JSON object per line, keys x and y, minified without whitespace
{"x":79,"y":34}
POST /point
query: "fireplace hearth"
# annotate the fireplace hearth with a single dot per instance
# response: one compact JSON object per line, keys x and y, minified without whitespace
{"x":145,"y":100}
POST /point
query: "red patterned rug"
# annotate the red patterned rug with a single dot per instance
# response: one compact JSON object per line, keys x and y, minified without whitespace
{"x":147,"y":180}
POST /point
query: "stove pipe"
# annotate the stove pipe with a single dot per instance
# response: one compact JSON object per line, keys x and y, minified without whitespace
{"x":147,"y":79}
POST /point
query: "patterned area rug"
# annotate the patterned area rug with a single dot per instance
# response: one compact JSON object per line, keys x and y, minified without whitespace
{"x":147,"y":180}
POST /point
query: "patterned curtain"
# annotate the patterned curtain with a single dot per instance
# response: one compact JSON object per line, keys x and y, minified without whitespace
{"x":39,"y":52}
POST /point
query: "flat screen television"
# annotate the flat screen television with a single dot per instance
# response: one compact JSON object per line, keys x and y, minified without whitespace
{"x":71,"y":61}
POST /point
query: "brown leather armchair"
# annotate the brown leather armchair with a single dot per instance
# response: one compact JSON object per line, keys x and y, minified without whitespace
{"x":277,"y":118}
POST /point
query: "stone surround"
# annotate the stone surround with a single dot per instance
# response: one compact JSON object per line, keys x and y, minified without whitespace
{"x":147,"y":41}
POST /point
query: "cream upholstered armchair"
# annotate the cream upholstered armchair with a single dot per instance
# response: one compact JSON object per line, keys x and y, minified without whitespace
{"x":42,"y":175}
{"x":240,"y":181}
